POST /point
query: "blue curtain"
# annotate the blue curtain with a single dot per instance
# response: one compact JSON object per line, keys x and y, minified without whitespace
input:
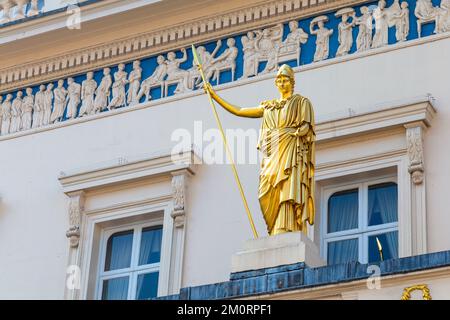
{"x":115,"y":289}
{"x":342,"y":251}
{"x":150,"y":251}
{"x":147,"y":286}
{"x":118,"y":252}
{"x":383,"y":204}
{"x":343,"y":211}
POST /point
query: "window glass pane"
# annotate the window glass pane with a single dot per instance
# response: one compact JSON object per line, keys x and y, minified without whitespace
{"x":389,"y":244}
{"x":118,"y":251}
{"x":115,"y":289}
{"x":150,"y":251}
{"x":343,"y":211}
{"x":147,"y":286}
{"x":382,"y":204}
{"x":342,"y":251}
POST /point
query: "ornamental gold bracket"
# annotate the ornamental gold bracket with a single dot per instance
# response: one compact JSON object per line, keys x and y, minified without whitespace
{"x":421,"y":287}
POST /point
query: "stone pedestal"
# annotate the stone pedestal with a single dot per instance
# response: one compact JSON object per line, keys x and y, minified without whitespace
{"x":284,"y":249}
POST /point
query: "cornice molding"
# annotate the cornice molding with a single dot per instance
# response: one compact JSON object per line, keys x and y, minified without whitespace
{"x":123,"y":171}
{"x":336,"y":291}
{"x":382,"y":118}
{"x":157,"y":41}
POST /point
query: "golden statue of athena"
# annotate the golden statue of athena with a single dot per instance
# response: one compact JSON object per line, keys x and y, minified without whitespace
{"x":287,"y":142}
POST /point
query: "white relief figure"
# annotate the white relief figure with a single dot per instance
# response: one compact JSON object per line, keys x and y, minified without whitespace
{"x":296,"y":35}
{"x":34,"y":10}
{"x":88,"y":88}
{"x":27,"y":109}
{"x":20,"y":10}
{"x":345,"y":29}
{"x":16,"y":113}
{"x":6,"y":12}
{"x":364,"y":39}
{"x":59,"y":106}
{"x":207,"y":63}
{"x":322,"y":37}
{"x":402,"y":22}
{"x":118,"y":88}
{"x":102,"y":92}
{"x":392,"y":12}
{"x":73,"y":98}
{"x":443,"y":17}
{"x":380,"y":38}
{"x":38,"y":108}
{"x":48,"y":102}
{"x":135,"y":82}
{"x":175,"y":73}
{"x":250,"y":55}
{"x":425,"y":12}
{"x":267,"y":44}
{"x":6,"y":114}
{"x":154,"y":80}
{"x":290,"y":48}
{"x":227,"y":60}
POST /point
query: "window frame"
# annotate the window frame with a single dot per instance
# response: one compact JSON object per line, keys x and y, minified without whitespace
{"x":364,"y":231}
{"x":135,"y":269}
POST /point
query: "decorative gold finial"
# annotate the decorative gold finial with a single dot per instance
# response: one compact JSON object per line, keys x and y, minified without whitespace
{"x":285,"y":70}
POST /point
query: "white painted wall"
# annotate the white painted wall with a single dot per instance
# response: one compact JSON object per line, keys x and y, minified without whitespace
{"x":33,"y":209}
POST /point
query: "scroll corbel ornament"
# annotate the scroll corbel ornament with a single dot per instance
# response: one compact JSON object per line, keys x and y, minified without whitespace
{"x":179,"y":195}
{"x":76,"y":207}
{"x":415,"y":153}
{"x":426,"y":294}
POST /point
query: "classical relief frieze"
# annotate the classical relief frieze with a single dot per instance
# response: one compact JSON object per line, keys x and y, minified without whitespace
{"x":140,"y":46}
{"x":255,"y":52}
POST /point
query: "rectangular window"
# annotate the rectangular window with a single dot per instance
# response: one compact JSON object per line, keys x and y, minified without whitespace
{"x":361,"y":222}
{"x":130,"y":263}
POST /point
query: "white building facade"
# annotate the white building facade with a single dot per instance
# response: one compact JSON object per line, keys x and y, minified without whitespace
{"x":113,"y":179}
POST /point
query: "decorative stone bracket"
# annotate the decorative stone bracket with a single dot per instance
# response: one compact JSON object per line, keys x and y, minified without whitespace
{"x":414,"y":138}
{"x":76,"y":207}
{"x":179,"y":197}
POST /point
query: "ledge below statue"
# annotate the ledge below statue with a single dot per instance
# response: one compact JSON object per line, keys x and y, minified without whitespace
{"x":283,"y":249}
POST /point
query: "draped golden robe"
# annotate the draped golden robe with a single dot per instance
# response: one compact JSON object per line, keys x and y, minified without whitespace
{"x":286,"y":188}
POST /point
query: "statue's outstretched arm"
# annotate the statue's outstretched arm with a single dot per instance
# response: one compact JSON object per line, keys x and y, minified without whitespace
{"x":241,"y":112}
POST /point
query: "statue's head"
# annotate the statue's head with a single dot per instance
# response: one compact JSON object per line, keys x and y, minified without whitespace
{"x":90,"y":75}
{"x":293,"y":25}
{"x":160,"y":59}
{"x":171,"y":56}
{"x":285,"y":81}
{"x":19,"y":94}
{"x":231,"y":42}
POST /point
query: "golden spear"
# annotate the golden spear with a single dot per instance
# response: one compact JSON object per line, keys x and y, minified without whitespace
{"x":198,"y":62}
{"x":380,"y":248}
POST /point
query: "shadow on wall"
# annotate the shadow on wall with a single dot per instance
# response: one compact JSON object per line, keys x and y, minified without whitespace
{"x":2,"y":206}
